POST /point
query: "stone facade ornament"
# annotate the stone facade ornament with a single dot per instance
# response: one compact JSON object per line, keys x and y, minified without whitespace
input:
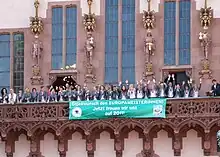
{"x":149,"y":17}
{"x":89,"y":47}
{"x":206,"y":15}
{"x":149,"y":43}
{"x":36,"y":27}
{"x":205,"y":39}
{"x":90,"y":24}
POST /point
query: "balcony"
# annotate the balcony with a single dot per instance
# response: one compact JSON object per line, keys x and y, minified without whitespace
{"x":200,"y":114}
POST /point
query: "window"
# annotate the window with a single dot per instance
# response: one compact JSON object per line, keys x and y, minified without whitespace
{"x":172,"y":10}
{"x":71,"y":35}
{"x":111,"y":41}
{"x":57,"y":37}
{"x":127,"y":25}
{"x":184,"y":32}
{"x":128,"y":40}
{"x":170,"y":33}
{"x":64,"y":36}
{"x":18,"y":70}
{"x":5,"y":61}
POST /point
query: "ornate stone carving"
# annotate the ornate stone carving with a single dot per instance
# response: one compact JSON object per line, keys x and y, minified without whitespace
{"x":149,"y":43}
{"x":149,"y":17}
{"x":205,"y":38}
{"x":206,"y":15}
{"x":89,"y":47}
{"x":36,"y":27}
{"x":89,"y":19}
{"x":89,"y":23}
{"x":36,"y":78}
{"x":36,"y":24}
{"x":36,"y":51}
{"x":149,"y":47}
{"x":200,"y":114}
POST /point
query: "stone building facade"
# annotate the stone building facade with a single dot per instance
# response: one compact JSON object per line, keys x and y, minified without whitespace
{"x":176,"y":51}
{"x":43,"y":130}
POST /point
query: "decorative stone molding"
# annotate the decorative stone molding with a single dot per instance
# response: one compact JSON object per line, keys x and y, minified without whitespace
{"x":35,"y":120}
{"x":206,"y":16}
{"x":36,"y":27}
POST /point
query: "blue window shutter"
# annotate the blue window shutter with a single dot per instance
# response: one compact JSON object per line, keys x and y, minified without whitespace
{"x":169,"y":33}
{"x":184,"y":32}
{"x":111,"y":41}
{"x":57,"y":37}
{"x":18,"y":73}
{"x":128,"y":40}
{"x":5,"y":61}
{"x":71,"y":35}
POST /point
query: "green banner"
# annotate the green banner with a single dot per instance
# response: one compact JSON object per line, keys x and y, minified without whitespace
{"x":131,"y":108}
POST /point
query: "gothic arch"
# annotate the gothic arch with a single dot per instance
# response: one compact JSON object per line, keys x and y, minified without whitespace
{"x":214,"y":125}
{"x":17,"y":128}
{"x":41,"y":129}
{"x":69,"y":129}
{"x":97,"y":131}
{"x":196,"y":125}
{"x":101,"y":125}
{"x":157,"y":128}
{"x":161,"y":125}
{"x":131,"y":125}
{"x":124,"y":131}
{"x":71,"y":126}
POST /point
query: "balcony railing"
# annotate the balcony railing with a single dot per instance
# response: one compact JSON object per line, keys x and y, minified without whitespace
{"x":176,"y":108}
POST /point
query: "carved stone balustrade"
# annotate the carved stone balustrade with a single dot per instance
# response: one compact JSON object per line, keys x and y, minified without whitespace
{"x":200,"y":114}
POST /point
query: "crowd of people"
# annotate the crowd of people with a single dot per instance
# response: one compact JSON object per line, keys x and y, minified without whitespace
{"x":141,"y":90}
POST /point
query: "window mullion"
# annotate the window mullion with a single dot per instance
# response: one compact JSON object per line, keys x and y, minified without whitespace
{"x":120,"y":40}
{"x":64,"y":38}
{"x":11,"y":60}
{"x":177,"y":31}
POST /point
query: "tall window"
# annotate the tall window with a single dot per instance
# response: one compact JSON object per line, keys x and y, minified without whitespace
{"x":128,"y":40}
{"x":184,"y":32}
{"x":5,"y":61}
{"x":173,"y":10}
{"x":18,"y":70}
{"x":111,"y":41}
{"x":170,"y":33}
{"x":112,"y":52}
{"x":71,"y":35}
{"x":64,"y":36}
{"x":57,"y":37}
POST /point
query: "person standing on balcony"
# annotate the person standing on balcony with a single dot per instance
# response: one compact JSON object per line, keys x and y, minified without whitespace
{"x":215,"y":89}
{"x":12,"y":97}
{"x":170,"y":90}
{"x":4,"y":96}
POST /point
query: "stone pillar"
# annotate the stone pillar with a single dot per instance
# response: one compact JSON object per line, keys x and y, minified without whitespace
{"x":8,"y":149}
{"x":207,"y":144}
{"x":177,"y":144}
{"x":118,"y":145}
{"x":34,"y":148}
{"x":90,"y":146}
{"x":147,"y":145}
{"x":61,"y":147}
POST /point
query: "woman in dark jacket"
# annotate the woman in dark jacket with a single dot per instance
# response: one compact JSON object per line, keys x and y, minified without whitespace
{"x":4,"y":96}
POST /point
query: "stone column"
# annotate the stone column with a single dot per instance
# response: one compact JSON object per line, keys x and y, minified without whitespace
{"x":118,"y":145}
{"x":177,"y":144}
{"x":61,"y":147}
{"x":147,"y":145}
{"x":90,"y":146}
